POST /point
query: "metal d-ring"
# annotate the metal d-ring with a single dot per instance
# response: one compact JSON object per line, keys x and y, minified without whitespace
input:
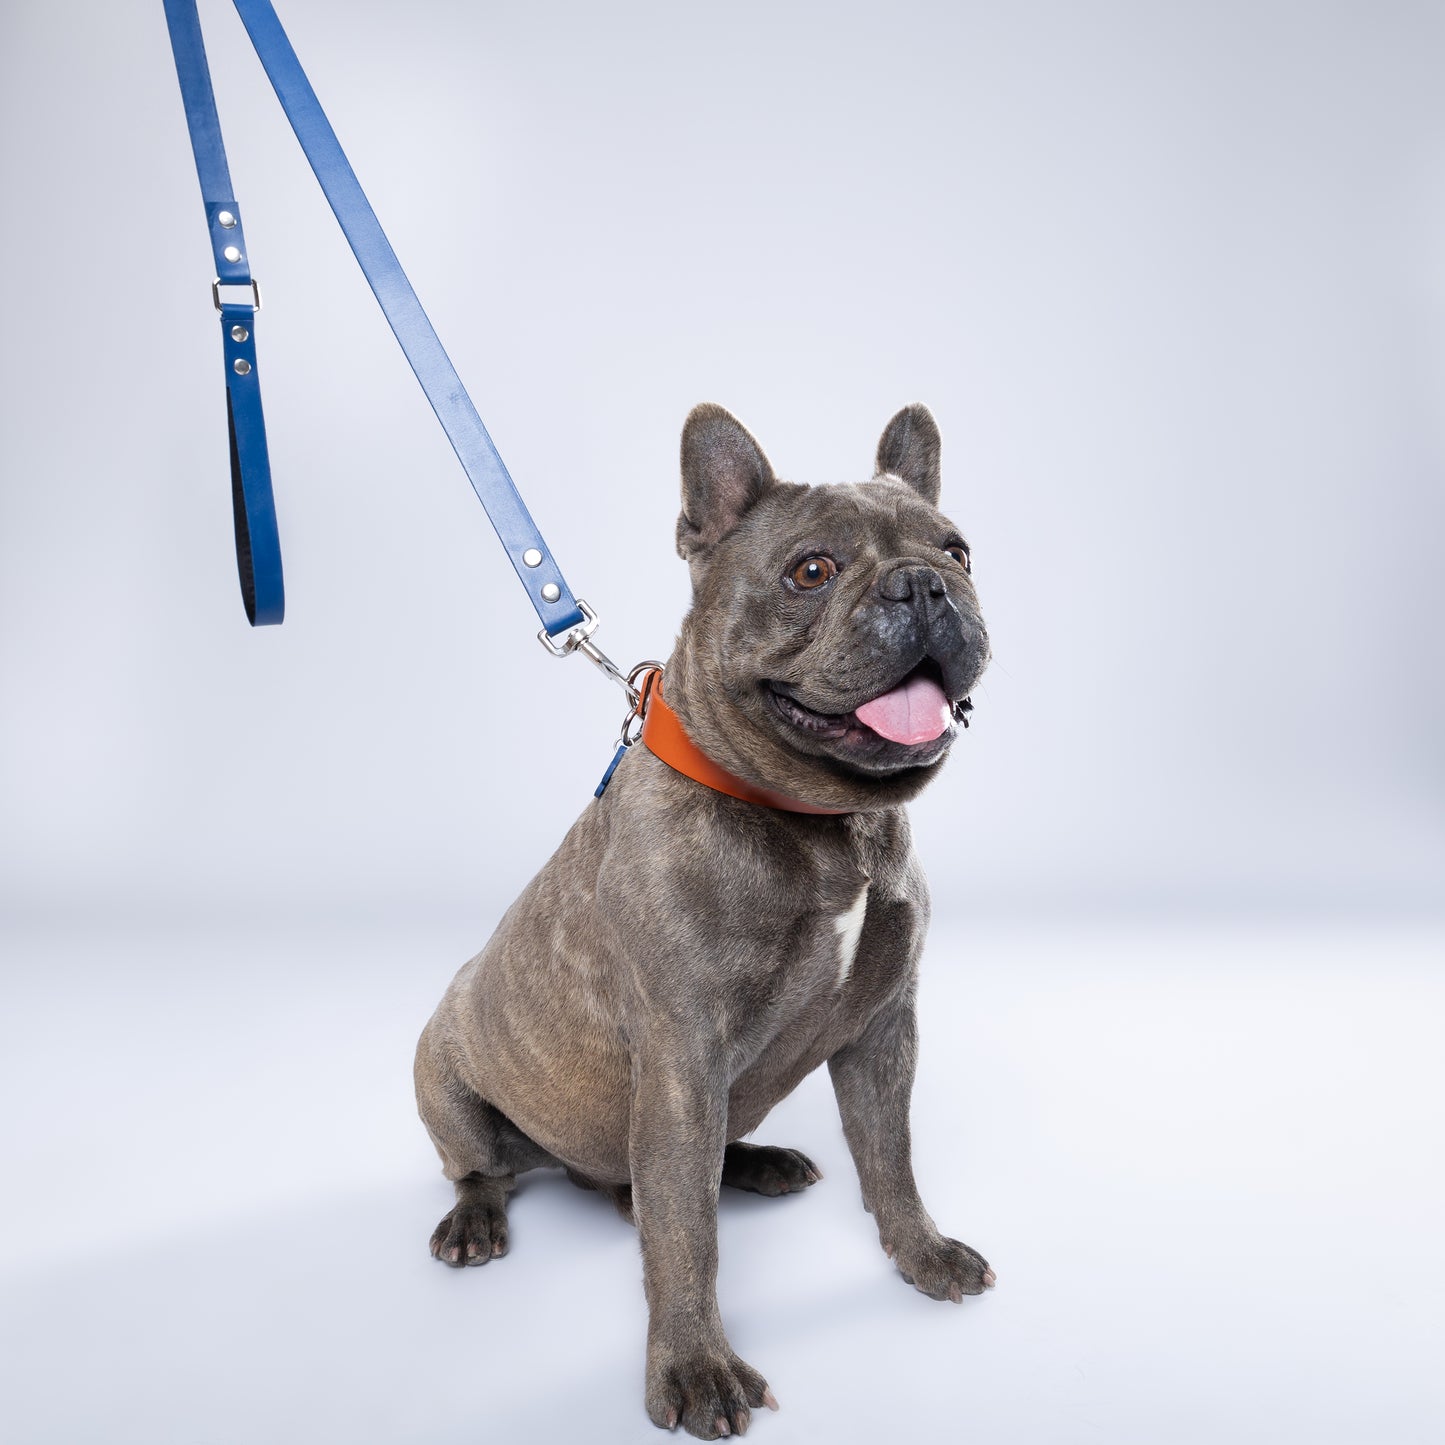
{"x":632,"y":723}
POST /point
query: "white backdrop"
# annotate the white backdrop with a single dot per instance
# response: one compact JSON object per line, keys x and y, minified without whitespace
{"x":1171,"y":279}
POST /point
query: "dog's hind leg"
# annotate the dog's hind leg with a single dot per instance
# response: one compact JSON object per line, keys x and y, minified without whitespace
{"x":474,"y":1230}
{"x":482,"y":1152}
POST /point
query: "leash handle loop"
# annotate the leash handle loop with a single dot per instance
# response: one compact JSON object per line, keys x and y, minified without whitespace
{"x":258,"y":541}
{"x":546,"y":588}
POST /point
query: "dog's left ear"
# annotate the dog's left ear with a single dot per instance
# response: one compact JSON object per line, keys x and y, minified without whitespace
{"x":724,"y":473}
{"x":910,"y":449}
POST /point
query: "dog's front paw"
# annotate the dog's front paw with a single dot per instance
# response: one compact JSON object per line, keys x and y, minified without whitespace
{"x":942,"y":1268}
{"x":707,"y":1392}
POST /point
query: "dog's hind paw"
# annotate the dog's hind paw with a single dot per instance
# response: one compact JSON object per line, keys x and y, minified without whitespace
{"x":470,"y":1234}
{"x":768,"y":1169}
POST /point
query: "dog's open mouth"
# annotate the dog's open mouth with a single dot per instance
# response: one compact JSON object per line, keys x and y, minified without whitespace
{"x":912,"y":713}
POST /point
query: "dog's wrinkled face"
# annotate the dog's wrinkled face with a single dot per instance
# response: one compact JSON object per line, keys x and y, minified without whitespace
{"x":834,"y":629}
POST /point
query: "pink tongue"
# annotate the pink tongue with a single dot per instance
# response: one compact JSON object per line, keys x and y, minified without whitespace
{"x":916,"y":711}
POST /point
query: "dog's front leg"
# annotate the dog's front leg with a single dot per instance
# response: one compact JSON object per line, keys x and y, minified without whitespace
{"x":873,"y":1080}
{"x":676,"y":1137}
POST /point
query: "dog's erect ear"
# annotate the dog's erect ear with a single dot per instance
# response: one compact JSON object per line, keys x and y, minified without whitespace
{"x":724,"y":473}
{"x":910,"y":449}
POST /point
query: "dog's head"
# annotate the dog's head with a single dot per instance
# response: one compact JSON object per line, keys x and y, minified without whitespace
{"x":834,"y":630}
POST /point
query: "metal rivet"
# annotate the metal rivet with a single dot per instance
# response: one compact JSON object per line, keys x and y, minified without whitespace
{"x":226,"y":219}
{"x":241,"y":366}
{"x":532,"y":557}
{"x":551,"y":592}
{"x":232,"y":254}
{"x":239,"y":333}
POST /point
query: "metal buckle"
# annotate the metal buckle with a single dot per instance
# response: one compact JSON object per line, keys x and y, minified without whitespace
{"x":574,"y":637}
{"x":216,"y":292}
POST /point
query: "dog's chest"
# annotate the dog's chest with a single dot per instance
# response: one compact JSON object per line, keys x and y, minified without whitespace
{"x":827,"y":977}
{"x":820,"y":957}
{"x":844,"y":891}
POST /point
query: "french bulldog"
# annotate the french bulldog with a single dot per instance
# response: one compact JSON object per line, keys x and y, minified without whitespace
{"x":688,"y":956}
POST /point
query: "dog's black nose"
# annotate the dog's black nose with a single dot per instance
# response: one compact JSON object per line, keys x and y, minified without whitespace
{"x":909,"y":580}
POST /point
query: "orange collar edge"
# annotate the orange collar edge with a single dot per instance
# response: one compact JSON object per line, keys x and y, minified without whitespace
{"x":667,"y":739}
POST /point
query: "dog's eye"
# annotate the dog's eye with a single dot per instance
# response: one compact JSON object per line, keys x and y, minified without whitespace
{"x":959,"y":553}
{"x":814,"y":572}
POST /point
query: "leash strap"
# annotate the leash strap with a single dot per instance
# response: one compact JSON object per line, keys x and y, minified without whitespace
{"x":558,"y":609}
{"x":258,"y":544}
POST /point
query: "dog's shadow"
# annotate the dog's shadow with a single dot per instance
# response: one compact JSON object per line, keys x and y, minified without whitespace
{"x":327,"y":1319}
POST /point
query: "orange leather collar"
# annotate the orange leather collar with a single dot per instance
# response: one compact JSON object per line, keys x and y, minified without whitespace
{"x":666,"y":738}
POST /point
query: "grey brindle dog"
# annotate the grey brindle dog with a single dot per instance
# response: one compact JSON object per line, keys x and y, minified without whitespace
{"x":686,"y":958}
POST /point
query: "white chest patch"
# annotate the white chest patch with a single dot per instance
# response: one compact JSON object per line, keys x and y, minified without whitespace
{"x":850,"y":929}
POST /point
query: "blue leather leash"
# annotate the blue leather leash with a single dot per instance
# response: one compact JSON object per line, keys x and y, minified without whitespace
{"x":567,"y":622}
{"x":258,"y":545}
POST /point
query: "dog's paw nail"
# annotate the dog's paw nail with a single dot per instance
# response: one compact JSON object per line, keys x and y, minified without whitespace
{"x":888,"y":1250}
{"x":672,"y":1419}
{"x":989,"y":1278}
{"x":723,"y":1428}
{"x":770,"y":1400}
{"x":955,"y":1294}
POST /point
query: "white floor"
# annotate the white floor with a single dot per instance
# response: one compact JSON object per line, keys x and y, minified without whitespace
{"x":1205,"y":1163}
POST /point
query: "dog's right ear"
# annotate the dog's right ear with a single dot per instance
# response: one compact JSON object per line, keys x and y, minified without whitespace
{"x":724,"y":473}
